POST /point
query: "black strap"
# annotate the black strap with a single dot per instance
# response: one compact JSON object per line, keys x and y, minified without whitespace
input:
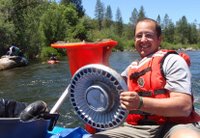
{"x":149,"y":93}
{"x":160,"y":91}
{"x":139,"y":112}
{"x":147,"y":122}
{"x":138,"y":74}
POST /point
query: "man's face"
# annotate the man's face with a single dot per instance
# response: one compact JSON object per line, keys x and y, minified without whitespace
{"x":146,"y":39}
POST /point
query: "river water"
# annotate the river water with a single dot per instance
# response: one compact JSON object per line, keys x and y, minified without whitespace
{"x":42,"y":81}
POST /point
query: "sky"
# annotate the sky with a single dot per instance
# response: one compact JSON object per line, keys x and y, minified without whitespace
{"x":174,"y":8}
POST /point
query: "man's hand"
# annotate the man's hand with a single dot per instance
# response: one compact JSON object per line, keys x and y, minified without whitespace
{"x":129,"y":100}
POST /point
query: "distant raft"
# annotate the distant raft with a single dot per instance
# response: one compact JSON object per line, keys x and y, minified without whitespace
{"x":53,"y":61}
{"x":8,"y":62}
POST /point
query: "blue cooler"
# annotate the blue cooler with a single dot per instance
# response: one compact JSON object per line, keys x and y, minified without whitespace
{"x":15,"y":128}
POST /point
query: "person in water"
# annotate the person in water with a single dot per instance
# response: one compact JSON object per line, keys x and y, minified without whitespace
{"x":159,"y":97}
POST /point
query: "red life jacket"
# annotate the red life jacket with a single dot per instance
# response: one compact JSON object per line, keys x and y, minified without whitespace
{"x":186,"y":57}
{"x":148,"y":80}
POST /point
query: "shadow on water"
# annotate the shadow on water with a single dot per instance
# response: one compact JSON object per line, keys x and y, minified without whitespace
{"x":42,"y":81}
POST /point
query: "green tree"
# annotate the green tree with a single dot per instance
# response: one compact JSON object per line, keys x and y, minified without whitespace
{"x":132,"y":22}
{"x":158,"y":19}
{"x":168,"y":29}
{"x":32,"y":32}
{"x":77,"y":4}
{"x":134,"y":17}
{"x":182,"y":31}
{"x":25,"y":16}
{"x":169,"y":32}
{"x":7,"y":29}
{"x":56,"y":23}
{"x":108,"y":17}
{"x":193,"y":35}
{"x":141,"y":13}
{"x":166,"y":21}
{"x":21,"y":14}
{"x":119,"y":22}
{"x":99,"y":13}
{"x":81,"y":31}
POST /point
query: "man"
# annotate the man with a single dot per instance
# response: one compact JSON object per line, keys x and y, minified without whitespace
{"x":159,"y":99}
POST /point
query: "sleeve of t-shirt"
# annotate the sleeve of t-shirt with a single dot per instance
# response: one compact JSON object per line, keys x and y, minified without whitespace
{"x":125,"y":73}
{"x":177,"y":74}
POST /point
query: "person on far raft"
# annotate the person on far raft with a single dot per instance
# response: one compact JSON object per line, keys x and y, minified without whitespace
{"x":14,"y":51}
{"x":159,"y":97}
{"x":53,"y":57}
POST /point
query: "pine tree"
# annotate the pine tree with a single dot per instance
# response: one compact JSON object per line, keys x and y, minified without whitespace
{"x":158,"y":19}
{"x":134,"y":17}
{"x":141,"y":13}
{"x":108,"y":17}
{"x":99,"y":13}
{"x":77,"y":4}
{"x":119,"y":22}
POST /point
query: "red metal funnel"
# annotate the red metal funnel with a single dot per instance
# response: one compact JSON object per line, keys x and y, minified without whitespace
{"x":83,"y":53}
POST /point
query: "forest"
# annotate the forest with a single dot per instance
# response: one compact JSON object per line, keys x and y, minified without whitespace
{"x":33,"y":25}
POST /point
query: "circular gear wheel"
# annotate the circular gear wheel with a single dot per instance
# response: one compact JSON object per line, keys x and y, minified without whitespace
{"x":94,"y":94}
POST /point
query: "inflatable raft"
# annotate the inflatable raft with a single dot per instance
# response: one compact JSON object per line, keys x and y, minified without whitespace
{"x":8,"y":62}
{"x":53,"y":61}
